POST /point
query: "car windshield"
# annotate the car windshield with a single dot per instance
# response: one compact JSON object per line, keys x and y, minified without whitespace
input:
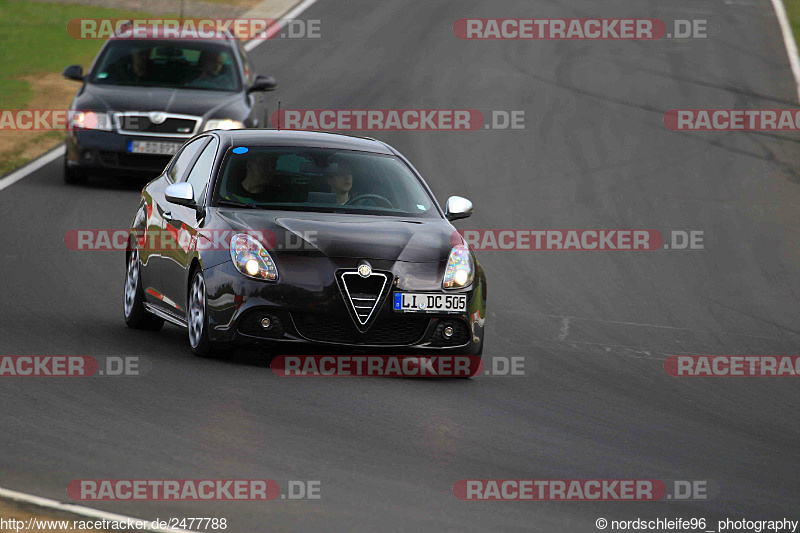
{"x":321,"y":179}
{"x":190,"y":65}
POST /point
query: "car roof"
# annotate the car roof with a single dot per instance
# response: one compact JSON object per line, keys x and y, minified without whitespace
{"x":272,"y":137}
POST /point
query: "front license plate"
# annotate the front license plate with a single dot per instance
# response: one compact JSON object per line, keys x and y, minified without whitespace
{"x":153,"y":147}
{"x":415,"y":302}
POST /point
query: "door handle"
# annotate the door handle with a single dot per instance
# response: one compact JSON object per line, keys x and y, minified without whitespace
{"x":167,"y":215}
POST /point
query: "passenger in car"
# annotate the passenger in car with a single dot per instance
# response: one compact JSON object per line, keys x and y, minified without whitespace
{"x":133,"y":69}
{"x":340,"y":180}
{"x":260,"y":182}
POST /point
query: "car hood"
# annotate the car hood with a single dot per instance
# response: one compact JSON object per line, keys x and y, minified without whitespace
{"x":180,"y":101}
{"x":361,"y":237}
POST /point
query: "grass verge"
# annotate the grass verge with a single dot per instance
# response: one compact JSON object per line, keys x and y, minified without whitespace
{"x":34,"y":49}
{"x":793,"y":10}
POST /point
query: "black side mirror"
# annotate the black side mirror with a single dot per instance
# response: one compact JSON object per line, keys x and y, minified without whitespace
{"x":263,"y":83}
{"x":73,"y":72}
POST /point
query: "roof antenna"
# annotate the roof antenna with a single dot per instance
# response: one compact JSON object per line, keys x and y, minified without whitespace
{"x":279,"y":115}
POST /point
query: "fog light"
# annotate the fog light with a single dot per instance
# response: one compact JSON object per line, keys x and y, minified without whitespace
{"x":266,"y":323}
{"x":448,"y":331}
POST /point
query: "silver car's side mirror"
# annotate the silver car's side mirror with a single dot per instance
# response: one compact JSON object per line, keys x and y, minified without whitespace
{"x":458,"y":207}
{"x":180,"y":193}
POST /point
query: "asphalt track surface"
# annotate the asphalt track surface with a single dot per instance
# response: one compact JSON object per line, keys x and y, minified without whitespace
{"x":594,"y":327}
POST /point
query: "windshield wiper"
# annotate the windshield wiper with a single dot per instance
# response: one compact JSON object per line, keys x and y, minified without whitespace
{"x":232,"y":203}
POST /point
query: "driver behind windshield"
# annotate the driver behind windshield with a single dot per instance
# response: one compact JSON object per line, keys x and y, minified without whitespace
{"x":212,"y":73}
{"x":340,"y":181}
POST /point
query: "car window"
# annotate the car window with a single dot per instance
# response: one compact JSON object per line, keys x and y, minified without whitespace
{"x":323,"y":180}
{"x":201,"y":172}
{"x":178,"y":169}
{"x":181,"y":64}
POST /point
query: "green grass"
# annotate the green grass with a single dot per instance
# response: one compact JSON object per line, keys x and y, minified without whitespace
{"x":34,"y":40}
{"x":793,"y":10}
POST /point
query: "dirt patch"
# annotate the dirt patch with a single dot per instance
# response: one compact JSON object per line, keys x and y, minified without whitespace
{"x":50,"y":91}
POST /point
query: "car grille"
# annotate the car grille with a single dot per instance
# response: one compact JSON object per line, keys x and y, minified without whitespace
{"x":138,"y":161}
{"x":364,"y":294}
{"x":392,"y":330}
{"x":173,"y":125}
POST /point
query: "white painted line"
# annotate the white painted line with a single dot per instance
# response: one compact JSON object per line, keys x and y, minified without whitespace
{"x":32,"y":167}
{"x":788,"y":38}
{"x":79,"y":510}
{"x":275,"y":28}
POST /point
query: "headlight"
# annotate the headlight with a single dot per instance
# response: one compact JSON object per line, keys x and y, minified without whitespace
{"x":251,"y":259}
{"x":223,"y":124}
{"x":459,"y":272}
{"x":89,"y":120}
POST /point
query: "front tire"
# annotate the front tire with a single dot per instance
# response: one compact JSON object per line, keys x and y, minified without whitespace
{"x":136,"y":317}
{"x":73,"y":176}
{"x":197,"y":320}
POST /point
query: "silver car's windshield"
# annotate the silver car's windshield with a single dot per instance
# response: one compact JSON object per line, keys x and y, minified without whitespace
{"x":188,"y":65}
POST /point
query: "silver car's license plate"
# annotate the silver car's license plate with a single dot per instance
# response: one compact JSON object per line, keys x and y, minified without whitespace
{"x":416,"y":302}
{"x":153,"y":147}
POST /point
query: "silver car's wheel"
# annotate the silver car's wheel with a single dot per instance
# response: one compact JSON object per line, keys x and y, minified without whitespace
{"x":135,"y":314}
{"x":131,"y":283}
{"x":197,"y":318}
{"x":197,"y":310}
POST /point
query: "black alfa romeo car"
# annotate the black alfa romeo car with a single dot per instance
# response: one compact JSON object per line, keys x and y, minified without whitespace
{"x":267,"y":236}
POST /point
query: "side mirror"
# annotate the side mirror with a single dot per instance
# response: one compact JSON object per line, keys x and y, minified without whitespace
{"x":73,"y":72}
{"x":458,"y":207}
{"x":181,"y":194}
{"x":263,"y":83}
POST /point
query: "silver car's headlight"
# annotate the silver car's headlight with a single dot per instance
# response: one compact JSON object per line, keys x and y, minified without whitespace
{"x":459,"y":271}
{"x":89,"y":120}
{"x":251,"y":259}
{"x":223,"y":124}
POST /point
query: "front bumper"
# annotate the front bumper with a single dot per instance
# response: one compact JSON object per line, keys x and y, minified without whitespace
{"x":315,"y":311}
{"x":106,"y":152}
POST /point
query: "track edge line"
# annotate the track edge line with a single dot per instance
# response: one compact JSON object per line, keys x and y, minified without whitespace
{"x":79,"y":510}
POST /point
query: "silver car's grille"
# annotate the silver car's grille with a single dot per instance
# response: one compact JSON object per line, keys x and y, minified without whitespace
{"x":157,"y":124}
{"x":364,"y":294}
